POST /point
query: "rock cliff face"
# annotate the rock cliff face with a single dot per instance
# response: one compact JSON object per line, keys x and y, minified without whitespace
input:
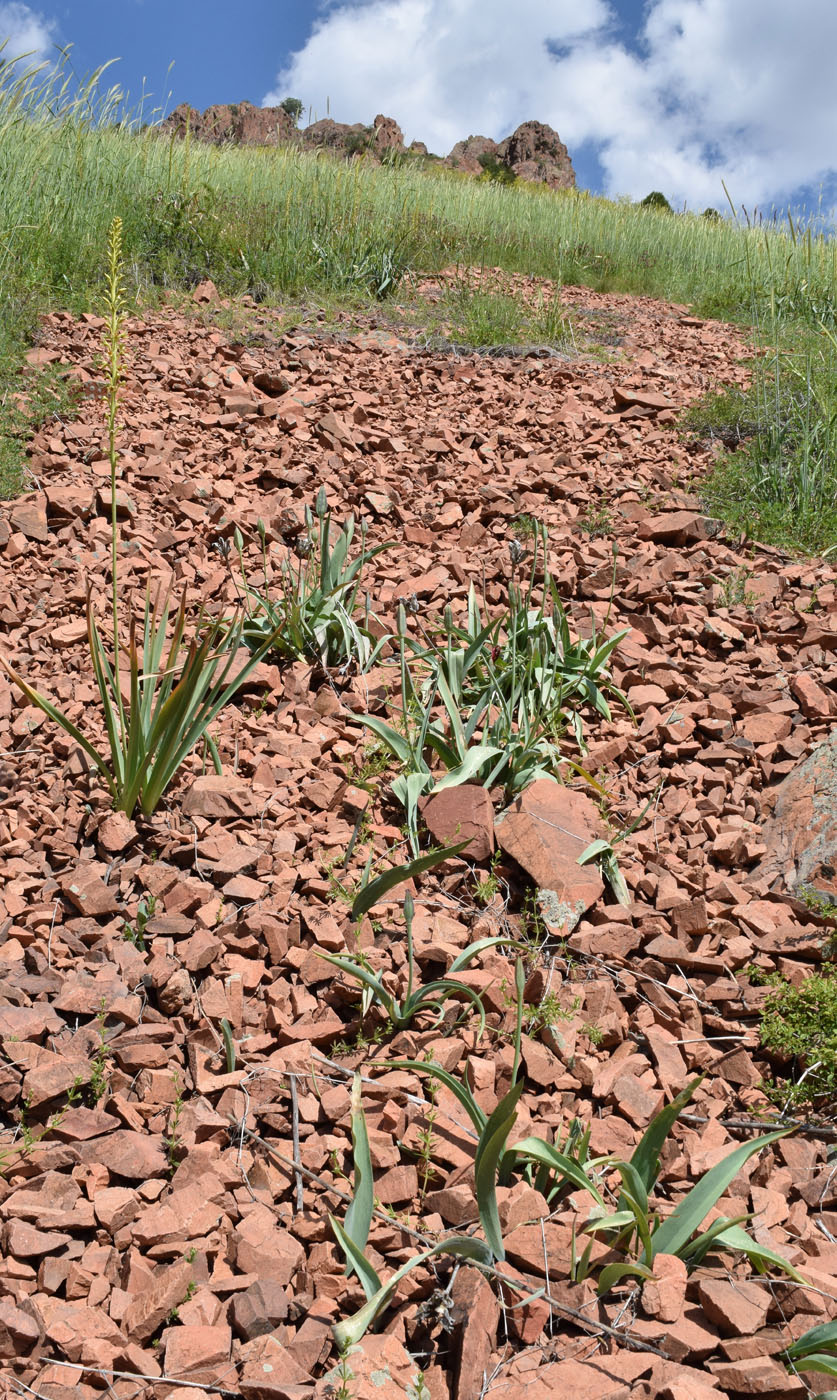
{"x":533,"y":152}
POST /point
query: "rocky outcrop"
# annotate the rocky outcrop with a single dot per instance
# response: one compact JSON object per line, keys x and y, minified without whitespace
{"x":334,"y":136}
{"x":237,"y":123}
{"x":383,"y":135}
{"x":388,"y":135}
{"x":533,"y":152}
{"x":465,"y":154}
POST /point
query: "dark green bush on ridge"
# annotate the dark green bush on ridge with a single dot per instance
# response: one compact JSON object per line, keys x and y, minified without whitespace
{"x":494,"y":169}
{"x":656,"y":200}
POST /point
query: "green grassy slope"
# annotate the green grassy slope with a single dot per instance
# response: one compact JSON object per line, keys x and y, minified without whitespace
{"x":281,"y":223}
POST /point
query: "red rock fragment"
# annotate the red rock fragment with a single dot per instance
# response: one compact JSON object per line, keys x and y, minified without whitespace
{"x":737,"y":1307}
{"x":626,"y":397}
{"x":30,"y":518}
{"x":545,"y":830}
{"x":664,"y":1295}
{"x":19,"y":1332}
{"x":814,"y":700}
{"x":87,"y":891}
{"x":758,"y":1376}
{"x":476,"y":1313}
{"x":259,"y":1309}
{"x":459,"y":813}
{"x":148,"y":1309}
{"x":199,"y":1353}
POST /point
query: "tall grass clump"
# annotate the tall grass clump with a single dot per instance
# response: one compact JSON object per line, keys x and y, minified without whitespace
{"x":780,"y":484}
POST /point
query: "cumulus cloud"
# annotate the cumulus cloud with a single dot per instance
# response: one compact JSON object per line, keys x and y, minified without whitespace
{"x":25,"y":32}
{"x":709,"y":90}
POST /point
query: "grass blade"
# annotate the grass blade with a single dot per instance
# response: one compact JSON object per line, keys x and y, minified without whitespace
{"x":359,"y":1212}
{"x":677,"y":1229}
{"x":382,"y":884}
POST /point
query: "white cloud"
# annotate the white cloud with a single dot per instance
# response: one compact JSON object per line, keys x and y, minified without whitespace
{"x":25,"y":32}
{"x":742,"y":91}
{"x":443,"y":68}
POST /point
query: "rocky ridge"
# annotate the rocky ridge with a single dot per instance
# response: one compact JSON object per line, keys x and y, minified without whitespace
{"x":533,"y":151}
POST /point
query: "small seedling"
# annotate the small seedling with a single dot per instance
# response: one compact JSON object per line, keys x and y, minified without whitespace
{"x":597,"y":519}
{"x":98,"y":1080}
{"x":135,"y":933}
{"x":489,"y":885}
{"x":172,"y":1141}
{"x":11,"y":1156}
{"x":734,"y":592}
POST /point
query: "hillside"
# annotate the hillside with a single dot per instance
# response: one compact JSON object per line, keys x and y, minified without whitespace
{"x":418,"y":948}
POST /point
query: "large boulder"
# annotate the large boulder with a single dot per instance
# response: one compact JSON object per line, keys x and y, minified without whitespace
{"x":535,"y":152}
{"x":801,"y":833}
{"x":335,"y":136}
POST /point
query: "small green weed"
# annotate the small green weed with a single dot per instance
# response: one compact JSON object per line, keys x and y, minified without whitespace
{"x":488,"y":884}
{"x":99,"y":1080}
{"x":734,"y":593}
{"x":29,"y":1137}
{"x":525,"y":527}
{"x":374,"y":762}
{"x":597,"y":519}
{"x":344,"y":1374}
{"x":172,"y":1139}
{"x":799,"y":1024}
{"x":548,"y":1013}
{"x":818,"y":903}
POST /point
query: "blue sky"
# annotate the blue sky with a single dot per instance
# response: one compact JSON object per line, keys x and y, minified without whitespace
{"x":647,"y":94}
